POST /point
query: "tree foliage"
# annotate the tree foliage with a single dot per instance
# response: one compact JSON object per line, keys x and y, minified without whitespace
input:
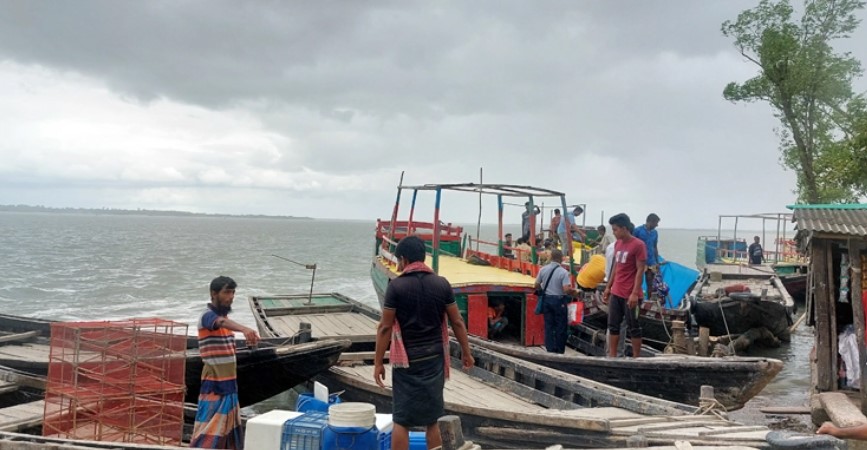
{"x":809,"y":85}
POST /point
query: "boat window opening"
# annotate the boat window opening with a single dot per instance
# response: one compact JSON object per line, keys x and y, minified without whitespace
{"x":513,"y":313}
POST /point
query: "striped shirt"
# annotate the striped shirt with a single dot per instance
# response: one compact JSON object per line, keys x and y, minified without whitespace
{"x":217,"y":349}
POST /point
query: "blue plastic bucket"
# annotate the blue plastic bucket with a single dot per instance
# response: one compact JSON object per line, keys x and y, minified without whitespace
{"x":306,"y":403}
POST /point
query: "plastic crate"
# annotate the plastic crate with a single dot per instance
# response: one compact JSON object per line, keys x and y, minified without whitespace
{"x":385,"y":440}
{"x":304,"y":432}
{"x":417,"y":440}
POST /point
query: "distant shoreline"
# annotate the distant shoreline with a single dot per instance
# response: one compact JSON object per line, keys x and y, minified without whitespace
{"x":136,"y":212}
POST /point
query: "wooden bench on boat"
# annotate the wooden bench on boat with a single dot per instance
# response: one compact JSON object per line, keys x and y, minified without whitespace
{"x":19,"y":417}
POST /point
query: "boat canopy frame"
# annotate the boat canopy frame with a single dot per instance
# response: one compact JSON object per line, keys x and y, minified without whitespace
{"x":498,"y":190}
{"x":781,"y":219}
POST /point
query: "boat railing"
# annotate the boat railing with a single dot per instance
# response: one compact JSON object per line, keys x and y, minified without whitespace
{"x":728,"y":255}
{"x":386,"y":248}
{"x":521,"y":262}
{"x":403,"y":228}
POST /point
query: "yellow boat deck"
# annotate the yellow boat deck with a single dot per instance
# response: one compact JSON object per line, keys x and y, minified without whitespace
{"x":461,"y":273}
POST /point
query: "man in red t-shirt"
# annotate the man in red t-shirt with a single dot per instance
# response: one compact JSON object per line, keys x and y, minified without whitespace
{"x":624,"y":284}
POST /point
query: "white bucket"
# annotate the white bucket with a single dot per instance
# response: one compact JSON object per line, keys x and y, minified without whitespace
{"x":352,"y":415}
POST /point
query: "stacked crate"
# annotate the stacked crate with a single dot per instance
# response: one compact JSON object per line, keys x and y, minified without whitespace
{"x":118,"y":381}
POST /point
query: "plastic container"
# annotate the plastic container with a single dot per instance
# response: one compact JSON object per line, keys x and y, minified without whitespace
{"x":592,"y":273}
{"x":264,"y":431}
{"x":351,"y":426}
{"x":304,"y":432}
{"x":417,"y":440}
{"x":384,"y":425}
{"x":306,"y":403}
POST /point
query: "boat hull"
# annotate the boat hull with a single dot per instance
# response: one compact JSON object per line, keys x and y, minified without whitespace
{"x":676,"y":378}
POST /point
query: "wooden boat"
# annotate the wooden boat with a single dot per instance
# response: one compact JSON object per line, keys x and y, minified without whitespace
{"x":781,"y":256}
{"x":505,"y":402}
{"x":732,"y":299}
{"x":655,"y":316}
{"x":510,"y":282}
{"x":671,"y":377}
{"x":21,"y":405}
{"x":263,"y":372}
{"x":618,"y":421}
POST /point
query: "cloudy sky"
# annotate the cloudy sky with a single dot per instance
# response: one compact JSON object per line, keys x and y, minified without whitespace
{"x":315,"y":108}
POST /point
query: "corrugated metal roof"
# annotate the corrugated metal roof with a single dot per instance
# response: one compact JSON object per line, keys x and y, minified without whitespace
{"x":829,"y":206}
{"x":849,"y":220}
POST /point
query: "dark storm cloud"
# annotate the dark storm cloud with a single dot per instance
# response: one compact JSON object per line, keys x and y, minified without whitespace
{"x":563,"y":88}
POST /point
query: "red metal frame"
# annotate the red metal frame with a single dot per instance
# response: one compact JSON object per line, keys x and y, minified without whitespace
{"x":120,"y":381}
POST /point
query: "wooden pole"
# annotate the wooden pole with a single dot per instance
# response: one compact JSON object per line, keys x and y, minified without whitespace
{"x":435,"y":243}
{"x":499,"y":225}
{"x":825,"y":379}
{"x":451,"y":433}
{"x":856,"y":246}
{"x":396,"y":207}
{"x":411,"y":212}
{"x":479,"y":223}
{"x":832,"y":311}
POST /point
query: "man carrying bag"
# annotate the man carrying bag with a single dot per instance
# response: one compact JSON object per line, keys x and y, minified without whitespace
{"x":556,"y":294}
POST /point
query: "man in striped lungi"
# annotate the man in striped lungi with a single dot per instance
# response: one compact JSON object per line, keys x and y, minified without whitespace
{"x":218,"y":419}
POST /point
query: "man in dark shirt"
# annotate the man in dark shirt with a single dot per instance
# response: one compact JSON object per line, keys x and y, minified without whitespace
{"x":416,"y":304}
{"x":757,"y":254}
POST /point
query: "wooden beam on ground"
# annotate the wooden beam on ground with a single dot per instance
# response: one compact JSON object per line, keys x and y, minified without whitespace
{"x":841,"y":411}
{"x":19,"y":336}
{"x":785,"y":410}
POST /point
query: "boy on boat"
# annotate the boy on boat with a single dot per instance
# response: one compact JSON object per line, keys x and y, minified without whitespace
{"x":414,"y":321}
{"x":623,"y":293}
{"x":218,"y":418}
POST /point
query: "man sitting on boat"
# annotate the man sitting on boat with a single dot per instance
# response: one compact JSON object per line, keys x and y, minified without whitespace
{"x":507,"y":246}
{"x":497,"y":322}
{"x":524,"y":250}
{"x":605,"y":239}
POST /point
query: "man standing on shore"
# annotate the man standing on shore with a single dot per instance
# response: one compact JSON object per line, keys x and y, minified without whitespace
{"x":414,"y":320}
{"x":623,"y":291}
{"x":218,"y":418}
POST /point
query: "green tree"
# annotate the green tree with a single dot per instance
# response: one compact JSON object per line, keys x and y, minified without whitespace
{"x":809,"y":86}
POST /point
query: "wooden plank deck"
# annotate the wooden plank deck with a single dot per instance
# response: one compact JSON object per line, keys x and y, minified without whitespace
{"x":14,"y":418}
{"x":352,"y":326}
{"x":25,"y":352}
{"x":460,"y":389}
